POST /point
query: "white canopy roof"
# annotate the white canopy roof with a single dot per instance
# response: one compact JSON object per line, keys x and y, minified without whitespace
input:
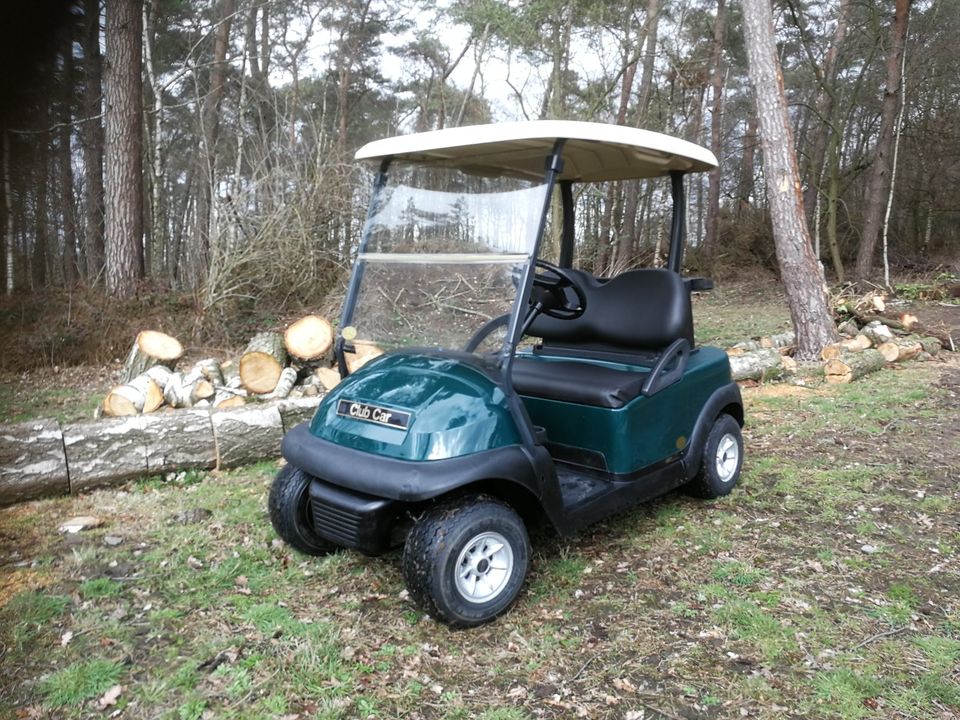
{"x":592,"y":152}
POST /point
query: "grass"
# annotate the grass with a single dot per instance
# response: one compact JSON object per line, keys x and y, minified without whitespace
{"x":762,"y":604}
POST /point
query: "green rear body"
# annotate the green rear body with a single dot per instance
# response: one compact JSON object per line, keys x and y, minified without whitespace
{"x":646,"y":431}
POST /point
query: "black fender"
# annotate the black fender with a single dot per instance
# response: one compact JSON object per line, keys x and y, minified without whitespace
{"x":413,"y":481}
{"x":724,"y":399}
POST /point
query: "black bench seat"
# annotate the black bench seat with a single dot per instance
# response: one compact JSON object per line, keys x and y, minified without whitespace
{"x":577,"y":382}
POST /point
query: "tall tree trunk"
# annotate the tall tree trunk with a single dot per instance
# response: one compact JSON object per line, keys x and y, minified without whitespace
{"x":123,"y":186}
{"x":745,"y":185}
{"x":712,"y":230}
{"x":879,"y":182}
{"x":92,"y":137}
{"x":210,"y":128}
{"x":806,"y":294}
{"x":9,"y":238}
{"x":65,"y":159}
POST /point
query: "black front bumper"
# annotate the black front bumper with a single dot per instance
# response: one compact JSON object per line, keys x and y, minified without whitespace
{"x":351,"y":519}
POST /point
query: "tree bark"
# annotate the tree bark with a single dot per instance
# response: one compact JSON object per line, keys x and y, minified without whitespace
{"x":32,"y":461}
{"x":65,"y":161}
{"x":210,"y":132}
{"x":712,"y":230}
{"x":123,"y":184}
{"x":92,"y":139}
{"x":806,"y":294}
{"x":879,"y":181}
{"x":852,"y":366}
{"x":745,"y":185}
{"x":8,"y":234}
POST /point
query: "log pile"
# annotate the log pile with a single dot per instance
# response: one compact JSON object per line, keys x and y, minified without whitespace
{"x":273,"y":366}
{"x":869,"y":343}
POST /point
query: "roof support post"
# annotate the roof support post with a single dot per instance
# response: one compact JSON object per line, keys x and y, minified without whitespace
{"x":566,"y":241}
{"x":679,"y":222}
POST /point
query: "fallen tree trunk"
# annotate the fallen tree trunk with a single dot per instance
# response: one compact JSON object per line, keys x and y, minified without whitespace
{"x":852,"y":366}
{"x":899,"y":350}
{"x":151,"y":348}
{"x":262,"y":362}
{"x":42,"y":458}
{"x":780,"y":340}
{"x":32,"y":461}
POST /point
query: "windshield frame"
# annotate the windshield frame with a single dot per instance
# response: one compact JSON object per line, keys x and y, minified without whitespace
{"x":553,"y":166}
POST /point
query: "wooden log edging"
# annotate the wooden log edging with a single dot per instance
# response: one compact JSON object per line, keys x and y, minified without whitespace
{"x":43,"y":458}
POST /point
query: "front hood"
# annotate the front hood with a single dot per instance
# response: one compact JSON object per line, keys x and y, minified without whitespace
{"x":417,"y":406}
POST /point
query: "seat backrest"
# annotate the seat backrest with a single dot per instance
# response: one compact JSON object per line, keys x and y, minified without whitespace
{"x":639,"y":310}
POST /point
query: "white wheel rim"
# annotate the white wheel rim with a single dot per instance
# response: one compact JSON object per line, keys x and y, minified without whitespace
{"x":484,"y":567}
{"x":728,"y":457}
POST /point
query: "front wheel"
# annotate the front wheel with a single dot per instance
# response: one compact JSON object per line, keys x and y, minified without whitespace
{"x":290,"y":512}
{"x":464,"y":562}
{"x":721,"y":461}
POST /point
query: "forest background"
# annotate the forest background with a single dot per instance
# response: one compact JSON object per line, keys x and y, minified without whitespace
{"x":238,"y":199}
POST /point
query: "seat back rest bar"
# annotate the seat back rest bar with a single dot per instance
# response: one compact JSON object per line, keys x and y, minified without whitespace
{"x":661,"y":377}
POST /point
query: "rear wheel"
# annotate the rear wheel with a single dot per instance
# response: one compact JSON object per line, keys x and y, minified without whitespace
{"x":465,"y":561}
{"x":721,"y":461}
{"x":290,"y":514}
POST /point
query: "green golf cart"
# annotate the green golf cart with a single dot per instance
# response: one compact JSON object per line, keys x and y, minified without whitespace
{"x":512,"y":390}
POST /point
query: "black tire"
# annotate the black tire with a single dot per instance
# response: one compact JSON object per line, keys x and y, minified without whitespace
{"x":485,"y":538}
{"x":289,"y":505}
{"x":721,"y":461}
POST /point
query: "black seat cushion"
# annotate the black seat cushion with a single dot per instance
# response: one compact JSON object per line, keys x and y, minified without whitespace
{"x":576,"y":382}
{"x":639,"y":310}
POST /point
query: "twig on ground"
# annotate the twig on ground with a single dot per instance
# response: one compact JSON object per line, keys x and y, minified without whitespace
{"x":878,"y":636}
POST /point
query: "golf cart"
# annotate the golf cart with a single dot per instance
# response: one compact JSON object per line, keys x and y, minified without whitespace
{"x":512,"y":389}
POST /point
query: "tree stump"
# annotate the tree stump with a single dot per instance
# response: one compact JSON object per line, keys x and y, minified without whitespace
{"x":151,"y":348}
{"x":140,"y":395}
{"x":32,"y":461}
{"x":309,"y":338}
{"x":262,"y":362}
{"x":852,"y":366}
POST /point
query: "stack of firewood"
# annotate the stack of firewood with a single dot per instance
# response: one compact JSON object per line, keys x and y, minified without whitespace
{"x":869,"y":341}
{"x":273,"y":365}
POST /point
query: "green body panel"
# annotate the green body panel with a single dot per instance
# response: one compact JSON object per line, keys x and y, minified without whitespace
{"x":454,"y":408}
{"x":647,"y":430}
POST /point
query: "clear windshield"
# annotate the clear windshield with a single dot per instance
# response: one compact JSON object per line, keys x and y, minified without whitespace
{"x":443,"y":256}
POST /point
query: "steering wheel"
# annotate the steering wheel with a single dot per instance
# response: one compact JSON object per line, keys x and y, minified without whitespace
{"x":552,"y":301}
{"x":554,"y":281}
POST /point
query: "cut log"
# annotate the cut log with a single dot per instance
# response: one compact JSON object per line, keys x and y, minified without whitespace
{"x":262,"y":362}
{"x":140,"y":395}
{"x":931,"y":345}
{"x":160,"y":374}
{"x":328,"y":377}
{"x":209,"y":368}
{"x":763,"y":364}
{"x":230,"y":372}
{"x":294,"y":412}
{"x":227,"y":398}
{"x":855,"y":344}
{"x":848,"y":328}
{"x":178,"y":441}
{"x":785,"y":339}
{"x":309,"y":338}
{"x":247,"y":434}
{"x":877,"y":332}
{"x":852,"y":366}
{"x":186,"y":390}
{"x":151,"y":348}
{"x":364,"y":353}
{"x":900,"y":350}
{"x":32,"y":461}
{"x":288,"y":378}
